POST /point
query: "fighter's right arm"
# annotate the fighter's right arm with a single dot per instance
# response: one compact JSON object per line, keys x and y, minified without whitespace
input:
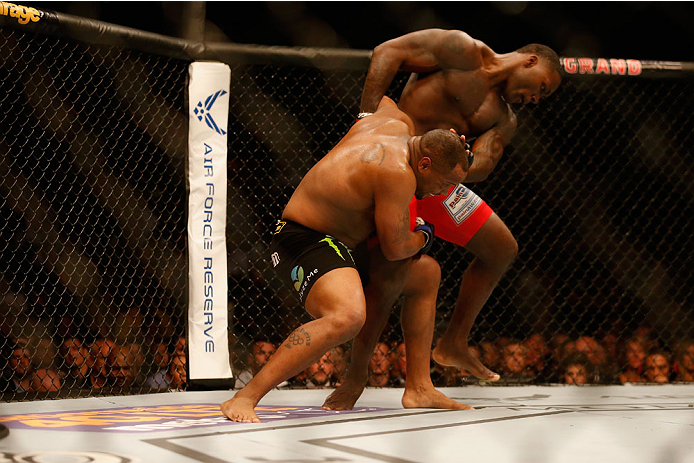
{"x":393,"y":191}
{"x":422,"y":51}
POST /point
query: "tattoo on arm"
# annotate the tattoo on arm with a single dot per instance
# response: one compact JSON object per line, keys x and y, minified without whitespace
{"x":454,"y":44}
{"x":377,"y":153}
{"x":298,"y":338}
{"x":378,"y":79}
{"x":401,"y":234}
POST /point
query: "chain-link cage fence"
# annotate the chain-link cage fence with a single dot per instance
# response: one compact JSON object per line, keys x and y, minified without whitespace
{"x":93,"y":248}
{"x":594,"y":186}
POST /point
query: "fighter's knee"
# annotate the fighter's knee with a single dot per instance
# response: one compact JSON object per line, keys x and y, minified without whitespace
{"x":509,"y":249}
{"x":427,"y":270}
{"x":424,"y":276}
{"x":347,"y":322}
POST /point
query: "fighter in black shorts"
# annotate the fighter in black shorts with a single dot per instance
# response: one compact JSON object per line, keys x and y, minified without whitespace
{"x":301,"y":256}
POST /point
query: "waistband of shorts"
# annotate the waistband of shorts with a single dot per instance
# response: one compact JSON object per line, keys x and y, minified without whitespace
{"x":279,"y":227}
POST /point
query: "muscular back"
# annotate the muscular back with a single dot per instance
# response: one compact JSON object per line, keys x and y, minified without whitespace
{"x":336,"y":196}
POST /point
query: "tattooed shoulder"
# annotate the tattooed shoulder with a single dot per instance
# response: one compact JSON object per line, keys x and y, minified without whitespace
{"x":376,"y":153}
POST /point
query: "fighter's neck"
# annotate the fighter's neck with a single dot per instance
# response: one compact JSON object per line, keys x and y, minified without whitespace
{"x":500,"y":66}
{"x":413,"y":152}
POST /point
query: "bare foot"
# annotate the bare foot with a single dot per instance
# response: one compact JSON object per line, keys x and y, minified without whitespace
{"x":452,"y":357}
{"x":240,"y":409}
{"x":430,"y":398}
{"x":344,"y":397}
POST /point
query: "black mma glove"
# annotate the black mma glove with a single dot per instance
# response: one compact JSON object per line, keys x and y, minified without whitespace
{"x":428,"y":230}
{"x":470,"y":157}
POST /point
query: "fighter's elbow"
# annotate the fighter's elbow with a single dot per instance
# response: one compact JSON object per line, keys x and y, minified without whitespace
{"x":393,"y":253}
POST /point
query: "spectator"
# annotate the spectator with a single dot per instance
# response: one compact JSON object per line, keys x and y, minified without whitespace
{"x":44,"y":352}
{"x":180,"y":348}
{"x":22,"y":369}
{"x":602,"y":369}
{"x":177,"y":372}
{"x":318,"y":374}
{"x":99,"y":372}
{"x":260,"y":353}
{"x":515,"y":363}
{"x":75,"y":366}
{"x":379,"y":366}
{"x":398,"y":362}
{"x":576,"y":369}
{"x":46,"y":377}
{"x":684,"y":361}
{"x":656,"y":367}
{"x":338,"y":358}
{"x":633,"y":354}
{"x":46,"y":380}
{"x":162,"y":357}
{"x":611,"y":343}
{"x":124,"y":365}
{"x":537,"y":352}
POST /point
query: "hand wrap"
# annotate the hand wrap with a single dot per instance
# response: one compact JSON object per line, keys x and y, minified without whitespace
{"x":428,"y":230}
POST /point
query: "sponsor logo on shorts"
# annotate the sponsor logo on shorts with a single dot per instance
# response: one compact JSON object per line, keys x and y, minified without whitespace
{"x":331,"y":243}
{"x":313,"y":273}
{"x":461,"y":203}
{"x":23,"y":14}
{"x":297,"y":276}
{"x":202,"y":111}
{"x":280,"y":225}
{"x":275,"y":259}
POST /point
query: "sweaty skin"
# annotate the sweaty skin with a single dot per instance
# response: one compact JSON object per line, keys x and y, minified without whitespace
{"x":461,"y":83}
{"x":363,"y":184}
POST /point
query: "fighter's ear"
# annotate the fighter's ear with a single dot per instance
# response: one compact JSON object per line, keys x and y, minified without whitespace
{"x":531,"y":61}
{"x":424,"y":164}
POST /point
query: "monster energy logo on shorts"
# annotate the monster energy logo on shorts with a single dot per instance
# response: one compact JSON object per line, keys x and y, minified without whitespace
{"x":331,"y":243}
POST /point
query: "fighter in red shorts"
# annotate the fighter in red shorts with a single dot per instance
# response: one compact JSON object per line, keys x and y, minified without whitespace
{"x":456,"y":82}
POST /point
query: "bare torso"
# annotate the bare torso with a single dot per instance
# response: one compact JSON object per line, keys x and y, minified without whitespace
{"x":336,"y":196}
{"x":452,"y":98}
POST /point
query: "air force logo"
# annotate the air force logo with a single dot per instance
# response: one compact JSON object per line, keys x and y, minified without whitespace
{"x":202,"y":111}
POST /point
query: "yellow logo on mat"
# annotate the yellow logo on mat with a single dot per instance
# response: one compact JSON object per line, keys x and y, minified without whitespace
{"x":24,"y":14}
{"x":132,"y":415}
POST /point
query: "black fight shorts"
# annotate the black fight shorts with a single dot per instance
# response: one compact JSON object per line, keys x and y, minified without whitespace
{"x":301,"y":256}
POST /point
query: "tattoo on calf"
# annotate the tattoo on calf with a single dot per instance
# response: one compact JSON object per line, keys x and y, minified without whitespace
{"x":376,"y":153}
{"x":299,"y":337}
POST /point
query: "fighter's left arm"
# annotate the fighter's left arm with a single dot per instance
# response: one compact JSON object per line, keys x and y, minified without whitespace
{"x":489,"y":147}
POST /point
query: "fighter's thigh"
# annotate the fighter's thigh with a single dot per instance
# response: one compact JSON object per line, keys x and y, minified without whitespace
{"x":338,"y":292}
{"x":493,"y":241}
{"x":386,"y":278}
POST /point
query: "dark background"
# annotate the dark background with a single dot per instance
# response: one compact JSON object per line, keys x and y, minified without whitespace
{"x":641,"y":30}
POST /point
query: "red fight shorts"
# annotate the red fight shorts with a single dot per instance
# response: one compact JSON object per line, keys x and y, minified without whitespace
{"x":456,"y":216}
